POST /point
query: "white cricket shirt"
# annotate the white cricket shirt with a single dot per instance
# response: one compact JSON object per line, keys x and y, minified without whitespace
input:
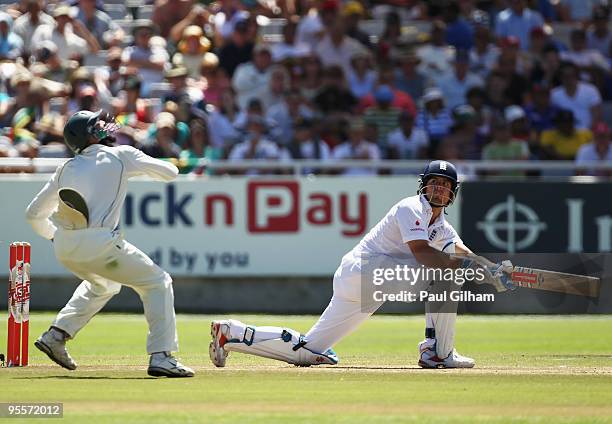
{"x":407,"y":220}
{"x":100,"y":174}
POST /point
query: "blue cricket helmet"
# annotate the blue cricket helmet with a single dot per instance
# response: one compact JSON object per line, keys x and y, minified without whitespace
{"x":440,"y":168}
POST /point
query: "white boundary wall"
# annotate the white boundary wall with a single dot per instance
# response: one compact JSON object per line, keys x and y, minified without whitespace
{"x":236,"y":226}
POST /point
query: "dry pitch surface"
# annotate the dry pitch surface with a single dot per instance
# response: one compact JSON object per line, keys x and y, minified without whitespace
{"x":529,"y":369}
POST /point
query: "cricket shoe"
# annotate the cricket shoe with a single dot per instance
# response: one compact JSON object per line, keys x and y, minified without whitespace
{"x":429,"y":359}
{"x":219,"y":330}
{"x":162,"y":364}
{"x":53,"y":344}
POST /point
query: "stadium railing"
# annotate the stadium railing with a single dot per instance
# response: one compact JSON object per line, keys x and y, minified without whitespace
{"x":303,"y":167}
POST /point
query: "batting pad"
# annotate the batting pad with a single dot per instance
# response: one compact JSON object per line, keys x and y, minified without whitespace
{"x":289,"y":348}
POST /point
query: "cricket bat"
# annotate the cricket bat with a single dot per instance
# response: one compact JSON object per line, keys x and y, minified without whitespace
{"x":553,"y":281}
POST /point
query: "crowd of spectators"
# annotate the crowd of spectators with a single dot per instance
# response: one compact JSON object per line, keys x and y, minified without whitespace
{"x":487,"y":80}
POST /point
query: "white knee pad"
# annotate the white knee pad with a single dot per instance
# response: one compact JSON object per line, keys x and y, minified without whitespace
{"x":290,"y":347}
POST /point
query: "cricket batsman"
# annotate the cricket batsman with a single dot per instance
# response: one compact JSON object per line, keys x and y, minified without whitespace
{"x":78,"y":209}
{"x":414,"y":233}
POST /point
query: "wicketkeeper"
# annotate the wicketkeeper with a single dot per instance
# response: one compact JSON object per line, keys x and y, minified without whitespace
{"x":413,"y":233}
{"x":79,"y":209}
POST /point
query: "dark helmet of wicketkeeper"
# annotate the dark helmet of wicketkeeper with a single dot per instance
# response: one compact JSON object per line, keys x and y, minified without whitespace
{"x":86,"y":124}
{"x":440,"y":168}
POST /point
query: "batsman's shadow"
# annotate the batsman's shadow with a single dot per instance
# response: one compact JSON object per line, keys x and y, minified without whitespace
{"x":82,"y":377}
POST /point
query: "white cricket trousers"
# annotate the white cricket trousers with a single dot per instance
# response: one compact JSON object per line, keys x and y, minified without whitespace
{"x":105,"y":262}
{"x":352,"y":302}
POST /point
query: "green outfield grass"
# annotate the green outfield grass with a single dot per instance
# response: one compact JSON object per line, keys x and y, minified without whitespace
{"x":529,"y":369}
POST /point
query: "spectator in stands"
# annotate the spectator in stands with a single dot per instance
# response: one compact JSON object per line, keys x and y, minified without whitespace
{"x":459,"y":33}
{"x":165,"y":137}
{"x":167,"y":13}
{"x":407,"y":141}
{"x":220,"y":122}
{"x":597,"y":152}
{"x":286,"y":114}
{"x":386,"y":76}
{"x":455,"y":84}
{"x":336,"y":48}
{"x":11,"y":45}
{"x":357,"y":148}
{"x":23,"y":122}
{"x":228,"y":13}
{"x":383,"y":114}
{"x":317,"y":20}
{"x":582,"y":98}
{"x":306,"y":145}
{"x":183,"y":94}
{"x":517,"y":20}
{"x":112,"y":75}
{"x":88,"y":98}
{"x":151,"y":60}
{"x":252,"y":79}
{"x":21,"y":83}
{"x":516,"y":118}
{"x":131,"y":110}
{"x":407,"y":78}
{"x":212,"y":79}
{"x":598,"y":35}
{"x":504,"y":146}
{"x":198,"y":147}
{"x":563,"y":141}
{"x":48,"y":64}
{"x":545,"y":71}
{"x":238,"y":49}
{"x":476,"y":97}
{"x":484,"y":54}
{"x":576,"y":10}
{"x":352,"y":12}
{"x":26,"y":24}
{"x":312,"y":77}
{"x":334,"y":96}
{"x":464,"y":133}
{"x":436,"y":56}
{"x":191,"y":50}
{"x":390,"y":39}
{"x":278,"y":86}
{"x":198,"y":16}
{"x":540,"y":112}
{"x":517,"y":85}
{"x":510,"y":51}
{"x":434,"y":118}
{"x":79,"y":78}
{"x":255,"y":146}
{"x":97,"y":22}
{"x":361,"y":76}
{"x":474,"y":16}
{"x":72,"y":39}
{"x":255,"y":109}
{"x":539,"y":40}
{"x":289,"y":48}
{"x":585,"y":58}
